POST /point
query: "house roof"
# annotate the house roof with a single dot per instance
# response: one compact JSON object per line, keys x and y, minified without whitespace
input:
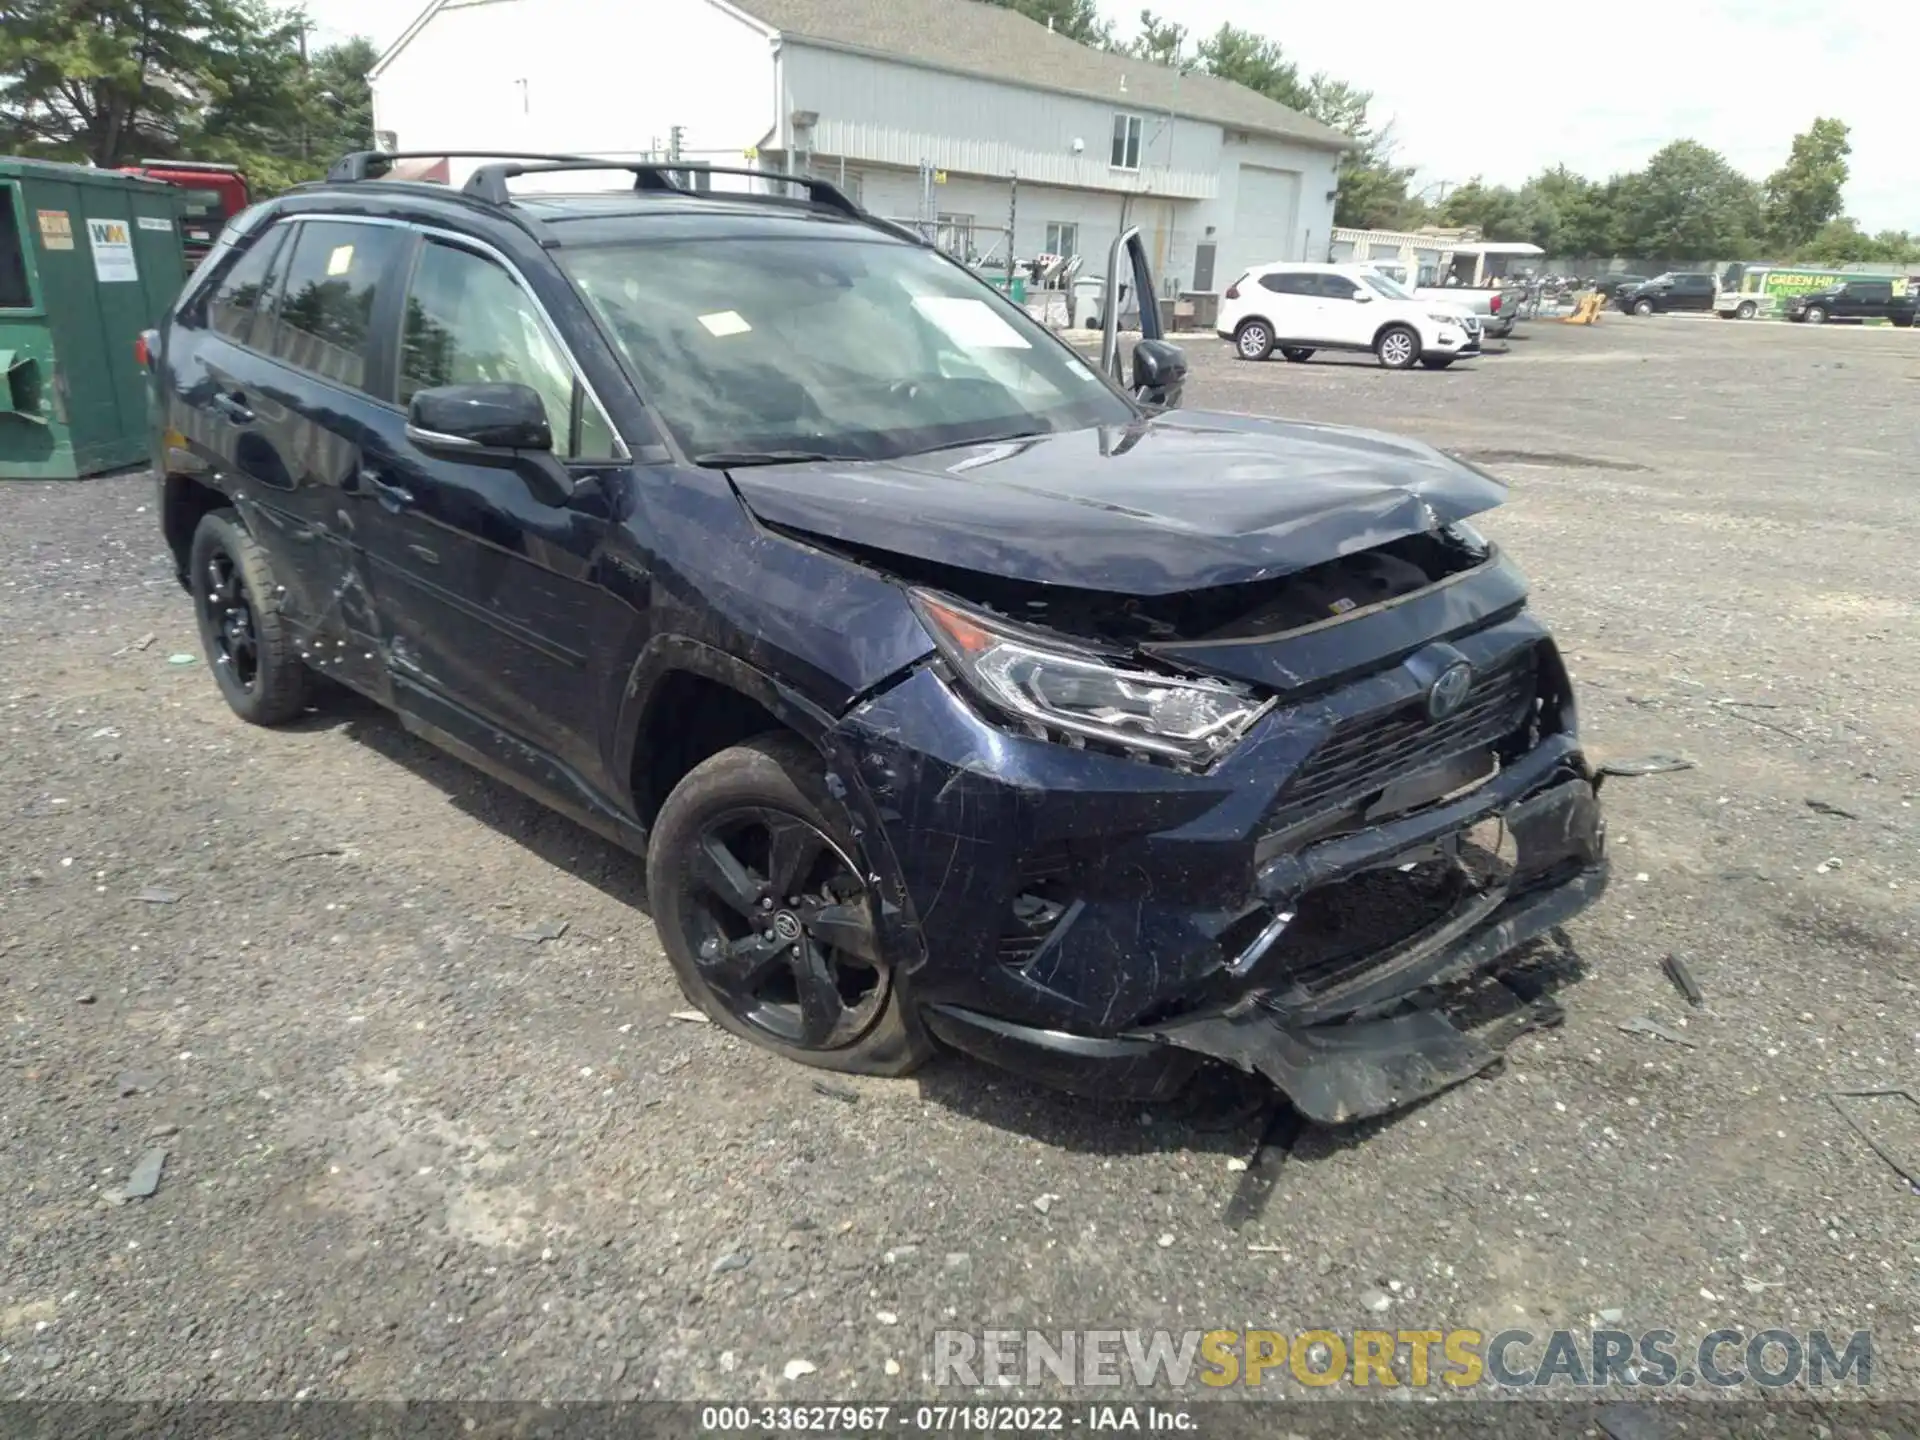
{"x":988,"y":40}
{"x":996,"y":43}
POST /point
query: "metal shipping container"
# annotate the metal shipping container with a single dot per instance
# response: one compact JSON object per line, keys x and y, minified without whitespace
{"x":88,"y":259}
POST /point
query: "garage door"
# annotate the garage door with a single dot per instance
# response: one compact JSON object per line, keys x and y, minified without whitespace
{"x":1266,"y":214}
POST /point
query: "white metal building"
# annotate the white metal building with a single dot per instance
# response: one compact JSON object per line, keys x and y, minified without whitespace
{"x":925,"y":107}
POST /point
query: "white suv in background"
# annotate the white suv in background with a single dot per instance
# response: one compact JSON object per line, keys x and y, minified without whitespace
{"x":1300,"y":308}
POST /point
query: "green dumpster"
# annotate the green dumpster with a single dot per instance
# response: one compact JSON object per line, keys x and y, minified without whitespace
{"x":88,"y":259}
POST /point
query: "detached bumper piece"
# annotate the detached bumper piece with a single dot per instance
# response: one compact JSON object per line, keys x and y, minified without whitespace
{"x":1389,"y":1018}
{"x":1382,"y":1035}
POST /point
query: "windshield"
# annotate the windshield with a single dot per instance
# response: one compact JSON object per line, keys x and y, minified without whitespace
{"x":1385,"y":285}
{"x":862,"y":349}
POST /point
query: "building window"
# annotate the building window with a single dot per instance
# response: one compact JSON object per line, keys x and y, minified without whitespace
{"x":1126,"y":142}
{"x":1063,"y":238}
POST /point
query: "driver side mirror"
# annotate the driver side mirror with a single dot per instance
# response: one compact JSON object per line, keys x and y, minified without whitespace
{"x":1363,"y":297}
{"x":1159,"y":374}
{"x":503,"y":425}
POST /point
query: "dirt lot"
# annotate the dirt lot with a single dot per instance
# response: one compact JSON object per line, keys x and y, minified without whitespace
{"x":410,"y":1153}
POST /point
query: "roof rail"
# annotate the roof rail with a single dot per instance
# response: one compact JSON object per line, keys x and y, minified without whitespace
{"x":207,"y":165}
{"x":372,"y":164}
{"x":489,"y":182}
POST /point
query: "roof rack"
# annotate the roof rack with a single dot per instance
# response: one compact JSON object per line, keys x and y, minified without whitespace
{"x":489,"y":182}
{"x":372,"y":164}
{"x":207,"y":165}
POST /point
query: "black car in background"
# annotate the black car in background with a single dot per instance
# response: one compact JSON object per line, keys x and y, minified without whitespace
{"x":1671,"y":291}
{"x":1612,"y":285}
{"x":1855,"y":300}
{"x":953,"y":691}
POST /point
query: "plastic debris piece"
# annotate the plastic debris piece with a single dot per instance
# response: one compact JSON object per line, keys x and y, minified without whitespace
{"x":1676,"y":970}
{"x":1641,"y":1025}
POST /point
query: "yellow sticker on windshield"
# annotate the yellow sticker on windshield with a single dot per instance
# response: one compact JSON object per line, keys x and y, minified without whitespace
{"x":341,"y":260}
{"x":725,"y":322}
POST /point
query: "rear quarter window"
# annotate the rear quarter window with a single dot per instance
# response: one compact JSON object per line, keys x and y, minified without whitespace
{"x":241,"y":294}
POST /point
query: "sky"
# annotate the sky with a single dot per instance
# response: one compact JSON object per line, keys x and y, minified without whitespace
{"x":1505,"y":98}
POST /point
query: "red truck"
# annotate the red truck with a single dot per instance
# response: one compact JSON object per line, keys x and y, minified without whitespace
{"x":215,"y":194}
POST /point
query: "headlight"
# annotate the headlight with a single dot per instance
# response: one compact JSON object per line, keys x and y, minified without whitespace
{"x":1056,"y":691}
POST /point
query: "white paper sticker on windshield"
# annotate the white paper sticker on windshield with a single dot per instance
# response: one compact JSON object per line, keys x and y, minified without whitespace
{"x":341,"y":260}
{"x":972,"y":324}
{"x":725,"y":322}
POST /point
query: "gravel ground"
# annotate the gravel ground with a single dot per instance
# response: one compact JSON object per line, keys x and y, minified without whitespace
{"x":410,"y":1153}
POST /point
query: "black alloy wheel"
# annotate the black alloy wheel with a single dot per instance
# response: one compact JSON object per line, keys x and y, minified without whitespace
{"x":779,"y":925}
{"x":247,"y":640}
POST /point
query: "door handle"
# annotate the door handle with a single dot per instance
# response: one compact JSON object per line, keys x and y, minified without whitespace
{"x":391,"y":497}
{"x":234,"y":407}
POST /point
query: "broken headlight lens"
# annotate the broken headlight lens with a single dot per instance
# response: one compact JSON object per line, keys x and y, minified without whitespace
{"x":1055,"y":690}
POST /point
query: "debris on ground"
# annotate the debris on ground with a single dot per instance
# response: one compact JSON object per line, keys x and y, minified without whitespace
{"x":1045,"y":1203}
{"x":329,"y":852}
{"x":1644,"y":765}
{"x":145,"y":642}
{"x":145,"y":1179}
{"x":835,"y":1092}
{"x":541,"y":930}
{"x":692,"y":1017}
{"x":85,"y":997}
{"x":158,"y":895}
{"x":1832,"y":862}
{"x":1824,"y":807}
{"x":1676,"y":970}
{"x":1907,"y":1171}
{"x":738,"y":1260}
{"x":1641,"y":1025}
{"x":182,"y":659}
{"x":1376,"y":1300}
{"x":794,"y":1369}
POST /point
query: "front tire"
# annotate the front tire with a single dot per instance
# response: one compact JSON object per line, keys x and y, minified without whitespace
{"x":1747,"y":310}
{"x":766,"y":917}
{"x":248,"y":642}
{"x":1253,"y":340}
{"x":1397,"y":347}
{"x":1643,"y":307}
{"x":1816,"y":315}
{"x":1298,"y":354}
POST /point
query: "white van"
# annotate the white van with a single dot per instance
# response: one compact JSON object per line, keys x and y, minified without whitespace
{"x":1299,"y":308}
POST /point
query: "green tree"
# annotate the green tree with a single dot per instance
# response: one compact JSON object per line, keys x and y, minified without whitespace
{"x":1803,"y":195}
{"x":1076,"y":19}
{"x":1257,"y":63}
{"x":1161,"y":41}
{"x":1688,"y":203}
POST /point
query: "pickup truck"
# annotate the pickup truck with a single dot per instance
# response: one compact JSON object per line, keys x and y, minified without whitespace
{"x":1497,"y":309}
{"x":1858,"y":300}
{"x":1671,"y":291}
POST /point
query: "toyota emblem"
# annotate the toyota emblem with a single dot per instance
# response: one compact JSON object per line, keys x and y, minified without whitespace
{"x":1448,"y":693}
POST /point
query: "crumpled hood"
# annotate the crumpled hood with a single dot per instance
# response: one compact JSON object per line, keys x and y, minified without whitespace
{"x":1182,"y":502}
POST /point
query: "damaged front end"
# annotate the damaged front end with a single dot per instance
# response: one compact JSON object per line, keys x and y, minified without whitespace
{"x":1305,"y":813}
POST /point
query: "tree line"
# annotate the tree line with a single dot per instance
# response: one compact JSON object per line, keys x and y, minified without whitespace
{"x":113,"y":82}
{"x":116,"y":81}
{"x":1686,"y":203}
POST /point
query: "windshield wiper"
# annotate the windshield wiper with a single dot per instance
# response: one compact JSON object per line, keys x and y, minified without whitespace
{"x":1005,"y":439}
{"x":736,"y":459}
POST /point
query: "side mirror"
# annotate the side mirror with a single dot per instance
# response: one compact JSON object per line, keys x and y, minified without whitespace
{"x":493,"y":424}
{"x":1159,"y":373}
{"x":1363,"y":297}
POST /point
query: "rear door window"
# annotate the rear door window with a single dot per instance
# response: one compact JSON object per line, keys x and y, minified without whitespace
{"x":15,"y":293}
{"x":1290,"y":282}
{"x":325,"y":313}
{"x":246,"y":287}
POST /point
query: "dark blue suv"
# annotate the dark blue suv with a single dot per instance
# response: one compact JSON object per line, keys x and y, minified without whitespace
{"x":954,"y":690}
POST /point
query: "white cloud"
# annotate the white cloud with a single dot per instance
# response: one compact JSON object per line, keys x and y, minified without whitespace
{"x":1521,"y":90}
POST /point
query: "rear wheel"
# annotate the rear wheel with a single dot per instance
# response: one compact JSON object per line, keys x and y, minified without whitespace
{"x":236,"y":598}
{"x":1398,"y":347}
{"x":1299,"y":354}
{"x":1253,"y":340}
{"x":1747,"y":310}
{"x":767,"y":918}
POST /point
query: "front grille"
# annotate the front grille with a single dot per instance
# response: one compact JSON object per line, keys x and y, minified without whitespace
{"x":1365,"y":755}
{"x":1342,"y":930}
